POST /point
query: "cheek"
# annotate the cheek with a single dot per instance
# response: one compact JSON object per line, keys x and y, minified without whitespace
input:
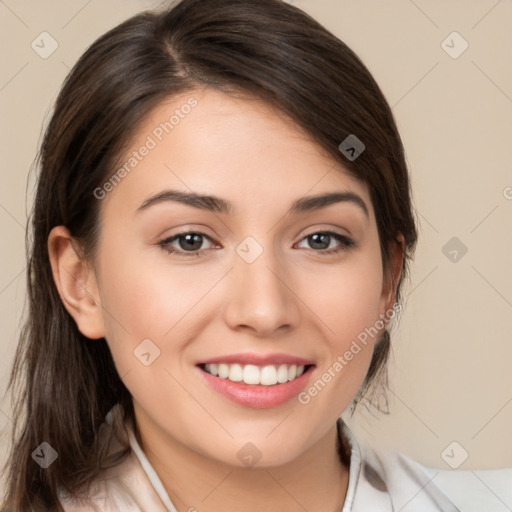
{"x":147,"y":301}
{"x":349,"y":310}
{"x":348,"y":299}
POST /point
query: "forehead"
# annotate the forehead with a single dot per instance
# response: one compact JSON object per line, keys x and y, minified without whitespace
{"x":242,"y":149}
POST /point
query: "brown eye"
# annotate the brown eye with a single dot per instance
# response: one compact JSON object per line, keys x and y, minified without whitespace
{"x":321,"y":242}
{"x":189,"y":243}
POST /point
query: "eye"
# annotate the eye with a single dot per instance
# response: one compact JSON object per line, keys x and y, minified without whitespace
{"x":322,"y":240}
{"x":190,"y":243}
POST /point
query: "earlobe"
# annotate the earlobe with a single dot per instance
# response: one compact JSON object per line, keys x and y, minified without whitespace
{"x":76,"y":283}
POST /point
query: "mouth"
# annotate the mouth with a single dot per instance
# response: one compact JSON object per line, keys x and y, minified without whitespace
{"x":269,"y":375}
{"x":253,"y":381}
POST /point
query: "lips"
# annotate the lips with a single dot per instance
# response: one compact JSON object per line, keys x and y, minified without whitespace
{"x":256,"y":380}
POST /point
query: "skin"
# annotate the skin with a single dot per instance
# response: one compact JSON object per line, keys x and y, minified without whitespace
{"x":294,"y":298}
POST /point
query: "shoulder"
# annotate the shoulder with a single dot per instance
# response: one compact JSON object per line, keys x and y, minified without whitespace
{"x":122,"y":487}
{"x":123,"y":484}
{"x":105,"y":492}
{"x":476,"y":490}
{"x":411,"y":483}
{"x":387,"y":480}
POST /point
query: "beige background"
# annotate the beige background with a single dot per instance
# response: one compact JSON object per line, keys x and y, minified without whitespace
{"x":451,"y":376}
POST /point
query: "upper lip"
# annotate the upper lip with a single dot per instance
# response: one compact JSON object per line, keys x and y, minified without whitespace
{"x":258,"y":359}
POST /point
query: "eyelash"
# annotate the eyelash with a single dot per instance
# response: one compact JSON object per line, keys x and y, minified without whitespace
{"x":345,"y":243}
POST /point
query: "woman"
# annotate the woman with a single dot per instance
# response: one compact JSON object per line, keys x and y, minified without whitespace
{"x":221,"y":229}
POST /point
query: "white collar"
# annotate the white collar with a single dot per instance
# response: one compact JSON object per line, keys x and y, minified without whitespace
{"x":354,"y":471}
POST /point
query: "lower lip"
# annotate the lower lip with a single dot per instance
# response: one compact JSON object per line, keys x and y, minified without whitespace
{"x":257,"y":396}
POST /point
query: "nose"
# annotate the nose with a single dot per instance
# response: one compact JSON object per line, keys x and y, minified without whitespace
{"x":260,"y":297}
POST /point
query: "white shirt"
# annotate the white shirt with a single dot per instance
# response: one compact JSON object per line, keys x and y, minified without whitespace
{"x":379,"y":481}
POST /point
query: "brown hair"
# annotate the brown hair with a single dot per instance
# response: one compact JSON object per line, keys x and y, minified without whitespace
{"x":63,"y":383}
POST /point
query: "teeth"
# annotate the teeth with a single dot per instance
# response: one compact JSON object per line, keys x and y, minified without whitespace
{"x":223,"y":371}
{"x":236,"y":373}
{"x":268,"y":375}
{"x":252,"y":374}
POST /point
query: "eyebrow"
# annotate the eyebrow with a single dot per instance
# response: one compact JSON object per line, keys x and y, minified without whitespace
{"x":218,"y":205}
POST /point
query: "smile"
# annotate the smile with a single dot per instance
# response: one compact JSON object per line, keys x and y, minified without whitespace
{"x":269,"y":375}
{"x":255,"y":380}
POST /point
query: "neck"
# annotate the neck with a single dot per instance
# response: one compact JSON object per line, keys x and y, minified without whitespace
{"x":316,"y":481}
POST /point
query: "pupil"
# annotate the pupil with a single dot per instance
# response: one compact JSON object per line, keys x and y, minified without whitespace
{"x":190,"y":241}
{"x":315,"y":240}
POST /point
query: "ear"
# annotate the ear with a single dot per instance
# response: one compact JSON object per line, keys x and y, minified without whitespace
{"x":76,"y":283}
{"x":396,"y":258}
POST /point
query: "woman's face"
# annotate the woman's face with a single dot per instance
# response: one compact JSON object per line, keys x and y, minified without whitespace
{"x":269,"y":284}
